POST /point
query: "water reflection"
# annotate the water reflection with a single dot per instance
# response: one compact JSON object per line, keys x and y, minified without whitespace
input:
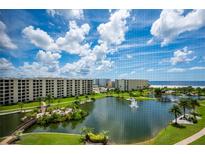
{"x":116,"y":116}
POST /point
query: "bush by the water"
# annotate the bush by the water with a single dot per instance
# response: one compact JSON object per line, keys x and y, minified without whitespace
{"x":97,"y":138}
{"x":88,"y":135}
{"x":77,"y":114}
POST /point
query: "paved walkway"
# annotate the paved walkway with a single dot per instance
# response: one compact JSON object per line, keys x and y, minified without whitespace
{"x":15,"y":112}
{"x":192,"y":138}
{"x":43,"y":107}
{"x":8,"y":140}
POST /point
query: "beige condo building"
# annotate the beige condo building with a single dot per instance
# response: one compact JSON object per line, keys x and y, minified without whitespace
{"x":13,"y":90}
{"x":130,"y":84}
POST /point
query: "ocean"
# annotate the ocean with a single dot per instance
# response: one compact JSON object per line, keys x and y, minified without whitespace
{"x":178,"y":83}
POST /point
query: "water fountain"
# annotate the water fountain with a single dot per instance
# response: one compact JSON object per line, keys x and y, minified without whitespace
{"x":133,"y":103}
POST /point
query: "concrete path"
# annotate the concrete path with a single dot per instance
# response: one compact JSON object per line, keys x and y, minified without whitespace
{"x":192,"y":138}
{"x":14,"y":112}
{"x":8,"y":140}
{"x":43,"y":107}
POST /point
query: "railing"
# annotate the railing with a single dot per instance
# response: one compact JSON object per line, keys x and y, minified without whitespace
{"x":24,"y":125}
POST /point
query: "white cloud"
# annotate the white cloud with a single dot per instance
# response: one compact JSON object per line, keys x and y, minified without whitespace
{"x":176,"y":70}
{"x":5,"y":65}
{"x":197,"y":68}
{"x":5,"y":40}
{"x":172,"y":23}
{"x":113,"y":32}
{"x":129,"y":56}
{"x":73,"y":41}
{"x":68,"y":14}
{"x":82,"y":67}
{"x":183,"y":55}
{"x":39,"y":38}
{"x":150,"y":70}
{"x":96,"y":58}
{"x":105,"y":65}
{"x":47,"y":57}
{"x":47,"y":65}
{"x":7,"y":69}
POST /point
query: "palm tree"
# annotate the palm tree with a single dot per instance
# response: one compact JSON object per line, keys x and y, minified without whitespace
{"x":194,"y":103}
{"x":176,"y":111}
{"x":184,"y":104}
{"x":158,"y":92}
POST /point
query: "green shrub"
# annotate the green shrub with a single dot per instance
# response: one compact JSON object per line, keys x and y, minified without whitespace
{"x":97,"y":138}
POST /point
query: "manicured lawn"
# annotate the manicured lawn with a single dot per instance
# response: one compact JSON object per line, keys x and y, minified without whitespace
{"x":66,"y":101}
{"x":200,"y":141}
{"x":63,"y":102}
{"x":49,"y":139}
{"x":139,"y":98}
{"x":172,"y":135}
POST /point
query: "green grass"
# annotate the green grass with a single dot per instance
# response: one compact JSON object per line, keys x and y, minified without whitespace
{"x":172,"y":135}
{"x":200,"y":141}
{"x":65,"y":101}
{"x":49,"y":139}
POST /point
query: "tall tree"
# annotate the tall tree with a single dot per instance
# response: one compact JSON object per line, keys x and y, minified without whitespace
{"x":184,"y":104}
{"x":176,"y":111}
{"x":193,"y":104}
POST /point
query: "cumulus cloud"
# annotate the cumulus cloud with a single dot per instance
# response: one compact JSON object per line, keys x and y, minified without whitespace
{"x":96,"y":58}
{"x":113,"y":32}
{"x":39,"y":38}
{"x":68,"y":14}
{"x":47,"y":57}
{"x":5,"y":40}
{"x":7,"y":69}
{"x":105,"y":65}
{"x":73,"y":41}
{"x":36,"y":69}
{"x":172,"y":23}
{"x":5,"y":64}
{"x":183,"y":55}
{"x":176,"y":70}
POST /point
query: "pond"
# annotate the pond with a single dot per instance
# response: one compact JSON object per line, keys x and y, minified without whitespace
{"x":9,"y":122}
{"x":125,"y":125}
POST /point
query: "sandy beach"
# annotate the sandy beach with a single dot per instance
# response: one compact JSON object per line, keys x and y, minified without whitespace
{"x":174,"y":86}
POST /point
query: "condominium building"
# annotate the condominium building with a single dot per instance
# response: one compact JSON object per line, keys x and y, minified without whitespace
{"x":131,"y":84}
{"x":13,"y":90}
{"x":101,"y":82}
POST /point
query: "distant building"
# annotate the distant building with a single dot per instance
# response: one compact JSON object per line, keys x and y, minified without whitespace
{"x":101,"y":82}
{"x":109,"y":84}
{"x":14,"y":90}
{"x":130,"y":84}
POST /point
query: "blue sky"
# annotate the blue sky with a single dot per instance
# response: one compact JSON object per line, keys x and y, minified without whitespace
{"x":142,"y":44}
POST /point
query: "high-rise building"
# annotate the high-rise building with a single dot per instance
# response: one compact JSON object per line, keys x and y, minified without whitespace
{"x":101,"y":82}
{"x":130,"y":84}
{"x":13,"y":90}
